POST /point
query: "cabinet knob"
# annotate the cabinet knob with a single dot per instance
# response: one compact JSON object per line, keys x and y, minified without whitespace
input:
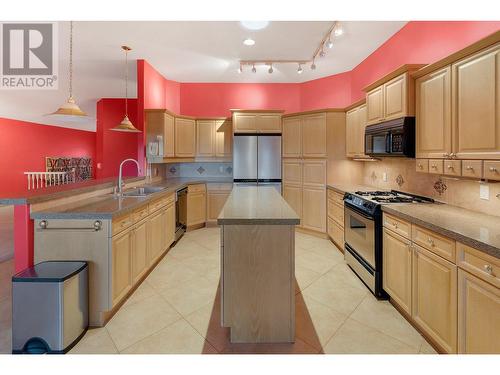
{"x":395,"y":225}
{"x":488,"y":268}
{"x":434,"y":166}
{"x":449,"y":166}
{"x":431,"y":241}
{"x":493,"y":169}
{"x":420,"y":166}
{"x":453,"y":155}
{"x":469,"y":168}
{"x":446,"y":155}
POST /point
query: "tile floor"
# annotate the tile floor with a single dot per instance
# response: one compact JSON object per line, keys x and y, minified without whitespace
{"x":176,"y":309}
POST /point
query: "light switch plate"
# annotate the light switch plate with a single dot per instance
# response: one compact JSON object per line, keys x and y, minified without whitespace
{"x":384,"y":176}
{"x":484,"y":191}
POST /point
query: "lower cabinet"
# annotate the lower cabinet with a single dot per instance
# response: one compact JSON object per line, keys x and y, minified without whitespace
{"x":336,"y":233}
{"x":156,"y":233}
{"x":434,"y":302}
{"x":196,"y":205}
{"x":215,"y":202}
{"x":169,"y":226}
{"x":121,"y":279}
{"x":314,"y":208}
{"x":478,"y":315}
{"x":293,"y":196}
{"x":397,"y":269}
{"x":139,"y":254}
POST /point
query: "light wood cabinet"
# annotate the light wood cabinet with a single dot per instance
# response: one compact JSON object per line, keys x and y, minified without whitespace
{"x":292,"y":137}
{"x":476,"y":105}
{"x":185,"y":137}
{"x":292,"y":171}
{"x":335,"y":219}
{"x":217,"y":195}
{"x":245,"y":123}
{"x":293,"y":196}
{"x":434,"y":297}
{"x":161,"y":123}
{"x":139,"y":255}
{"x":433,"y":114}
{"x":478,"y":315}
{"x":156,"y":233}
{"x":121,"y":280}
{"x":395,"y":98}
{"x":314,"y":173}
{"x":375,"y":105}
{"x":223,"y":139}
{"x":397,"y":269}
{"x":205,"y":138}
{"x":196,"y":205}
{"x":314,"y":135}
{"x":269,"y":123}
{"x":169,"y":237}
{"x":314,"y":208}
{"x":355,"y":131}
{"x":257,"y":122}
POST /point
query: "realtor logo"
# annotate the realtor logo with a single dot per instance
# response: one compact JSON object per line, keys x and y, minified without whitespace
{"x":28,"y":56}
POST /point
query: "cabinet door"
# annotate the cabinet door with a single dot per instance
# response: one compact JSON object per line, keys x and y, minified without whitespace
{"x":245,"y":123}
{"x":375,"y":105}
{"x":168,"y":136}
{"x":433,"y":114}
{"x":434,"y":302}
{"x":360,"y":134}
{"x":478,"y":315}
{"x":292,"y":194}
{"x":169,"y":236}
{"x":292,"y":137}
{"x":205,"y":138}
{"x":395,"y":97}
{"x":351,"y":132}
{"x":314,"y":173}
{"x":156,"y":233}
{"x":314,"y":135}
{"x":314,"y":208}
{"x":476,"y":105}
{"x":269,"y":123}
{"x":215,"y":202}
{"x":336,"y":233}
{"x":223,"y":138}
{"x":139,"y":251}
{"x":161,"y":123}
{"x":185,"y":138}
{"x":196,"y":208}
{"x":120,"y":274}
{"x":397,"y":269}
{"x":292,"y":171}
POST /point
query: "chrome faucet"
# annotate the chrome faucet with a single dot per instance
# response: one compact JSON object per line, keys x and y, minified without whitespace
{"x":119,"y":190}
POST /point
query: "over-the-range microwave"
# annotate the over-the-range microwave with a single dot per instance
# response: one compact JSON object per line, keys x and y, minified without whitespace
{"x":391,"y":138}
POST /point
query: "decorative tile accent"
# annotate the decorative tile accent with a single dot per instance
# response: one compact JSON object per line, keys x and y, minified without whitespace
{"x":229,"y":170}
{"x":440,"y":186}
{"x":400,"y":180}
{"x":172,"y":169}
{"x":200,"y":170}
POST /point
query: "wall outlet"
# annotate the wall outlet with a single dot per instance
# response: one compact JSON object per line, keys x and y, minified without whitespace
{"x":384,"y":176}
{"x":221,"y":169}
{"x":484,"y":192}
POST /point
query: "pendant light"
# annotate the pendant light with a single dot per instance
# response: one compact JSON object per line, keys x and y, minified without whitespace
{"x":126,"y":125}
{"x":70,"y":111}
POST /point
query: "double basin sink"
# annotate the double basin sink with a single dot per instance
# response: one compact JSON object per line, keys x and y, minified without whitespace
{"x":142,"y":191}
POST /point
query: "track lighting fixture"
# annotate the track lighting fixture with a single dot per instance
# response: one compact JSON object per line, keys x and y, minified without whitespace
{"x":339,"y":30}
{"x":329,"y":44}
{"x":253,"y":69}
{"x":322,"y":53}
{"x":270,"y":70}
{"x":240,"y":69}
{"x":299,"y":70}
{"x":313,"y":65}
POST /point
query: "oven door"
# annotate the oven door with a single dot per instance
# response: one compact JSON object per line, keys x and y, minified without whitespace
{"x":359,"y":233}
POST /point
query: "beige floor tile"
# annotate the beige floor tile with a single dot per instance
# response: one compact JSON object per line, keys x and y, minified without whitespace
{"x":382,"y":316}
{"x":95,"y":341}
{"x":336,"y":295}
{"x":356,"y":338}
{"x":316,"y":262}
{"x":186,"y":249}
{"x":202,"y":263}
{"x":139,"y":320}
{"x":298,"y":347}
{"x":170,"y":273}
{"x":177,"y":338}
{"x":315,"y":322}
{"x":426,"y":348}
{"x":328,"y":250}
{"x":342,"y":273}
{"x":142,"y":292}
{"x":304,"y":277}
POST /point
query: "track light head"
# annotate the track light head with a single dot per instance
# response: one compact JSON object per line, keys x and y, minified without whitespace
{"x":270,"y":70}
{"x":339,"y":30}
{"x":254,"y":70}
{"x":299,"y":70}
{"x":329,"y":44}
{"x":322,"y":53}
{"x":240,"y":69}
{"x":313,"y":65}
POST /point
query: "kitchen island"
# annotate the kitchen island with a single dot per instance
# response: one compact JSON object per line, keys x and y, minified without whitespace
{"x":258,"y":270}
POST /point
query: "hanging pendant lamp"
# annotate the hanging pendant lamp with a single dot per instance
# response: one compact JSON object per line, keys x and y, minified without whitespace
{"x":70,"y":111}
{"x":126,"y":125}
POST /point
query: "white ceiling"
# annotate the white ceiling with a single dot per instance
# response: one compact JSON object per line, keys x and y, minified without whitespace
{"x":189,"y":52}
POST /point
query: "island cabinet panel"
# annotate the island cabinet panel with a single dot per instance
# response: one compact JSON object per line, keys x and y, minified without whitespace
{"x":478,"y":315}
{"x":434,"y":298}
{"x":433,"y":115}
{"x":292,"y":137}
{"x":139,"y":257}
{"x":314,"y":136}
{"x":205,"y":138}
{"x":375,"y":105}
{"x":121,"y":280}
{"x":185,"y":137}
{"x":476,"y":105}
{"x":223,"y":138}
{"x":293,"y":196}
{"x":397,"y":269}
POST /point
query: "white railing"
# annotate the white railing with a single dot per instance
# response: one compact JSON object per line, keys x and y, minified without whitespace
{"x":38,"y":180}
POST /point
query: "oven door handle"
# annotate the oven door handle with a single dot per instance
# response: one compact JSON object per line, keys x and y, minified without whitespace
{"x":357,"y":211}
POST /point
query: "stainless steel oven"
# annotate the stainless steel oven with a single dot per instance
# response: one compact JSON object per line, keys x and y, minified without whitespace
{"x":360,"y":234}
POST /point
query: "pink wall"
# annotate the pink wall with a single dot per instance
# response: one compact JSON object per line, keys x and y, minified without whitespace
{"x":113,"y":147}
{"x":24,"y":146}
{"x":329,"y":92}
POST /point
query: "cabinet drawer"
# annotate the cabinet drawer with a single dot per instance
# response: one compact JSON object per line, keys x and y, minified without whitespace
{"x":491,"y":170}
{"x":397,"y":225}
{"x":479,"y":264}
{"x":472,"y":168}
{"x":169,"y":199}
{"x":336,"y":197}
{"x":436,"y":166}
{"x":422,"y":165}
{"x":452,"y":167}
{"x":196,"y":188}
{"x":122,"y":223}
{"x":140,"y":213}
{"x":439,"y":245}
{"x":219,"y":187}
{"x":157,"y":204}
{"x":336,"y":232}
{"x":336,"y":212}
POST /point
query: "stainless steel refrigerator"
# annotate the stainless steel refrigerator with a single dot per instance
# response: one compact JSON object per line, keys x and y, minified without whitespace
{"x":257,"y":160}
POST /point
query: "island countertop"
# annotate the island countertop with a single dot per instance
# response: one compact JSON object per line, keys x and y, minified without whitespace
{"x":256,"y":205}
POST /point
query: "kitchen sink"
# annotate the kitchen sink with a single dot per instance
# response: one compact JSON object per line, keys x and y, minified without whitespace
{"x":142,"y":191}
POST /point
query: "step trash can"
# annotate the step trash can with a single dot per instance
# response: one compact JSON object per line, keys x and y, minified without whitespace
{"x":49,"y":307}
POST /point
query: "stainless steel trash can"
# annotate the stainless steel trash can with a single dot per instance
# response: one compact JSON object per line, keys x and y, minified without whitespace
{"x":49,"y":307}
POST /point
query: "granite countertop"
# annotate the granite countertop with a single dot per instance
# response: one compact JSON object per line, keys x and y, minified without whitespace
{"x":256,"y":205}
{"x":108,"y":206}
{"x":475,"y":229}
{"x":351,"y":188}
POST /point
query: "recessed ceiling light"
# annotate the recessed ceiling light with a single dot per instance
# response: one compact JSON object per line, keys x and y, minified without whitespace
{"x":254,"y":25}
{"x":249,"y":42}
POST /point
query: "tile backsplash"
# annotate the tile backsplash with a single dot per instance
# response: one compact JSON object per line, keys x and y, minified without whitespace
{"x":199,"y":169}
{"x":401,"y":175}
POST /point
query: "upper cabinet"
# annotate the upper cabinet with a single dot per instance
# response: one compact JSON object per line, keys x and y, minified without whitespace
{"x":160,"y":131}
{"x":292,"y":137}
{"x":355,"y":131}
{"x":304,"y":136}
{"x":205,"y":138}
{"x":223,"y":138}
{"x":392,"y":96}
{"x":256,"y":121}
{"x":213,"y":138}
{"x":185,"y":137}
